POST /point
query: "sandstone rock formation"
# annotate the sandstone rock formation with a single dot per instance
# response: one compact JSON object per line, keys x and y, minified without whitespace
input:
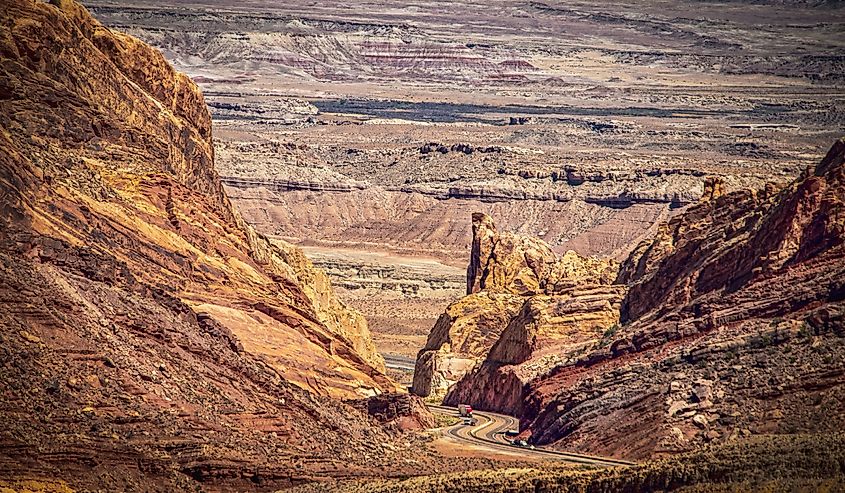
{"x":525,"y":266}
{"x":137,"y":205}
{"x":339,"y":318}
{"x":521,"y":297}
{"x":546,"y":332}
{"x":725,"y":324}
{"x":400,"y":411}
{"x":148,"y":332}
{"x":733,"y":326}
{"x":460,"y":338}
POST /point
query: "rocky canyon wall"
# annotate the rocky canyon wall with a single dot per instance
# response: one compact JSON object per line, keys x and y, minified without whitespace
{"x":521,"y":297}
{"x":732,"y":327}
{"x":150,"y":335}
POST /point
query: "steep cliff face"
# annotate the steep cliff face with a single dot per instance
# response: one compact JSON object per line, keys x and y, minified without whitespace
{"x":140,"y":314}
{"x":523,"y":300}
{"x":762,"y":234}
{"x":339,"y":318}
{"x":460,"y":339}
{"x":107,"y":148}
{"x":547,"y":331}
{"x":523,"y":265}
{"x":733,"y":326}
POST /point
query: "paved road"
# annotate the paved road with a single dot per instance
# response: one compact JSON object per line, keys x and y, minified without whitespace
{"x":398,"y":362}
{"x":489,"y":432}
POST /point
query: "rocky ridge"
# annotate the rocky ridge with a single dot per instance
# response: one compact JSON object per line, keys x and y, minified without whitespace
{"x":730,"y":324}
{"x":460,"y":338}
{"x":521,"y":297}
{"x":347,"y":323}
{"x":149,"y":332}
{"x":93,"y":169}
{"x":456,"y":171}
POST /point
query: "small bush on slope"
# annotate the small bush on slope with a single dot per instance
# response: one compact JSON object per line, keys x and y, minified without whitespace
{"x":775,"y":463}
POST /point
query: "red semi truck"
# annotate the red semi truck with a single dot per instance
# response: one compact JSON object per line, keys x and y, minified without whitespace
{"x":465,"y":410}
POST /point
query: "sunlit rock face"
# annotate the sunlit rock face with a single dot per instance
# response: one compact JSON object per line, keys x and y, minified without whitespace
{"x":731,"y":325}
{"x":135,"y":301}
{"x":521,"y":297}
{"x":702,"y":337}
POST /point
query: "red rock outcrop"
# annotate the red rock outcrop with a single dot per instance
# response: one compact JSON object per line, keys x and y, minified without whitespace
{"x":522,"y":300}
{"x":460,"y":339}
{"x":402,"y":412}
{"x":110,"y":152}
{"x":524,"y":266}
{"x":734,"y":324}
{"x":149,"y":334}
{"x":542,"y":335}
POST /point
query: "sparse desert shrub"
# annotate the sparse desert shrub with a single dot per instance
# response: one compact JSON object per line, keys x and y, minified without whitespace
{"x":805,"y":331}
{"x":771,"y":463}
{"x":608,"y":335}
{"x":611,"y":331}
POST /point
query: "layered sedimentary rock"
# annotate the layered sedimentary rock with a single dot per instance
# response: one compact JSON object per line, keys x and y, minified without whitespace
{"x":521,"y":297}
{"x":525,"y":266}
{"x":541,"y":336}
{"x":460,"y":338}
{"x":399,"y":411}
{"x":351,"y":205}
{"x":587,"y":151}
{"x":118,"y":158}
{"x":148,"y":330}
{"x":733,"y":326}
{"x":342,"y":320}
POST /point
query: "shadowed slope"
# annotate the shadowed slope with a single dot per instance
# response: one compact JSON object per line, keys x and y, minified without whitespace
{"x":733,"y":327}
{"x":148,"y":332}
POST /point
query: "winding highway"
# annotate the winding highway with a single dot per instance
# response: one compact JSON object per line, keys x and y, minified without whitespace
{"x":489,"y":432}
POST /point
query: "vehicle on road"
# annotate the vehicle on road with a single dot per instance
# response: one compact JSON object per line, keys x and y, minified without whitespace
{"x":502,"y":432}
{"x":522,"y":444}
{"x":465,"y":410}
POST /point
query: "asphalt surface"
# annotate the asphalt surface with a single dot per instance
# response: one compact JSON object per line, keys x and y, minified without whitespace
{"x":490,"y":430}
{"x":397,"y":362}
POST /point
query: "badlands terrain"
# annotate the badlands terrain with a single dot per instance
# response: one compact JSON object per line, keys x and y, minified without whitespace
{"x":234,"y":236}
{"x":382,"y":126}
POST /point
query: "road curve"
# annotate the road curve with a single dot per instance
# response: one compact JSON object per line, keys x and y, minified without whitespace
{"x":490,"y":433}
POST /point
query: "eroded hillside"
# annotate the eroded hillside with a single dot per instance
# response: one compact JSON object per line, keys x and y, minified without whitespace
{"x":148,"y":331}
{"x":387,"y":123}
{"x":524,"y":305}
{"x":382,"y":125}
{"x":727,"y":324}
{"x":732,"y":325}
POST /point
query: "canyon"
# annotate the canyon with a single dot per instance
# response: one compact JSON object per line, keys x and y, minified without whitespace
{"x":227,"y":233}
{"x":382,"y":126}
{"x":150,"y":335}
{"x":685,"y":343}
